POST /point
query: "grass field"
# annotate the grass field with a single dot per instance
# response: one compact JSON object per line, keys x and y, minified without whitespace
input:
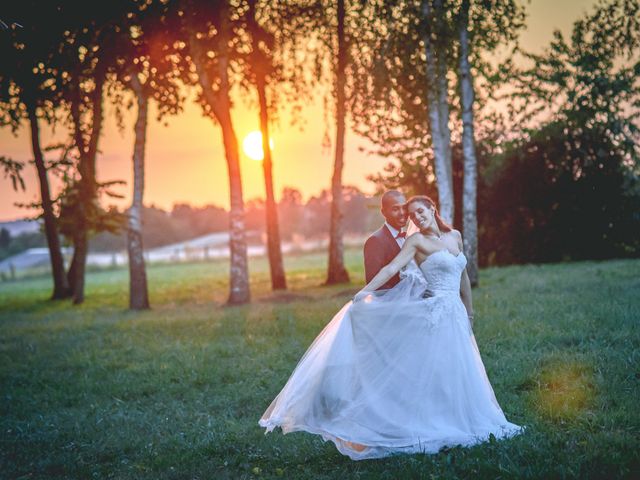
{"x":175,"y":393}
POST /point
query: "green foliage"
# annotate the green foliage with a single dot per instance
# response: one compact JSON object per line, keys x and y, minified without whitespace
{"x":560,"y":179}
{"x":390,"y":85}
{"x":13,"y":171}
{"x":588,"y":82}
{"x":26,"y":79}
{"x":567,"y":205}
{"x":77,"y":213}
{"x":568,"y":187}
{"x":176,"y":392}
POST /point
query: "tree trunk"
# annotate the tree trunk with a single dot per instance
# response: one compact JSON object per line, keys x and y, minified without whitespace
{"x":220,"y":105}
{"x":443,"y":110}
{"x":71,"y":273}
{"x":469,"y":193}
{"x":138,"y":291}
{"x":87,"y":184}
{"x":336,"y":272}
{"x":81,"y":247}
{"x":433,"y":72}
{"x":60,"y":284}
{"x":239,"y":271}
{"x":278,"y":279}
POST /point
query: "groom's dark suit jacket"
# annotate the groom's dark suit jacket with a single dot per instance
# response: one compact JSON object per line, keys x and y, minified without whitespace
{"x":379,"y":249}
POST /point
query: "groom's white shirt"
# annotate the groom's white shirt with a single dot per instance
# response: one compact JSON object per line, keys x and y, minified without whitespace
{"x":394,"y":232}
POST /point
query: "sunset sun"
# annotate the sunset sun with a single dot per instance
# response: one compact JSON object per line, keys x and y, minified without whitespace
{"x":252,"y":145}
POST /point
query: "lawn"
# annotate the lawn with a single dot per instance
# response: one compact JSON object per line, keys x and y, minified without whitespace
{"x":176,"y":392}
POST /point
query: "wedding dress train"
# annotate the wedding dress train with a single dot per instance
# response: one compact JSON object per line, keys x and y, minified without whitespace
{"x":399,"y":372}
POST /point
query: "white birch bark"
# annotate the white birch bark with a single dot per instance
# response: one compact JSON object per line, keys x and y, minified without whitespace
{"x":138,"y":291}
{"x":470,"y":221}
{"x":220,"y":104}
{"x":442,"y":169}
{"x":336,"y":270}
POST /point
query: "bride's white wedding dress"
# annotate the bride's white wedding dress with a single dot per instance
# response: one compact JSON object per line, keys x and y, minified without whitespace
{"x":399,"y":372}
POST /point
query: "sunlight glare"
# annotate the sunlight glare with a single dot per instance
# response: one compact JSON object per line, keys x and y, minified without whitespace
{"x":252,"y":145}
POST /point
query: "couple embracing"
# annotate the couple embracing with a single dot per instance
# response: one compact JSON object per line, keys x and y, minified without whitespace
{"x":397,"y":370}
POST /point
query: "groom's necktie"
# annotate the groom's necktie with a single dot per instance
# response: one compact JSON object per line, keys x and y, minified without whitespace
{"x":401,"y":235}
{"x":400,"y":238}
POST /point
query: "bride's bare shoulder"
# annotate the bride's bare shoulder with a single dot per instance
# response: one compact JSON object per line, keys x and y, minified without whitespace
{"x":417,"y":239}
{"x":457,"y":236}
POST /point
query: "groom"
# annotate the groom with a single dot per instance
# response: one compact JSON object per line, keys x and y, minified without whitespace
{"x":385,"y":243}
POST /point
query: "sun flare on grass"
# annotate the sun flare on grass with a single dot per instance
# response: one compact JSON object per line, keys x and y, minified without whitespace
{"x":252,"y":145}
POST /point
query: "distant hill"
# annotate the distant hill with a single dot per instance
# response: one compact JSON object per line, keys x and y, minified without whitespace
{"x":18,"y":227}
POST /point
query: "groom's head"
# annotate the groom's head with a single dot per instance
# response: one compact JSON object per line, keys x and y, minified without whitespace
{"x":393,"y":209}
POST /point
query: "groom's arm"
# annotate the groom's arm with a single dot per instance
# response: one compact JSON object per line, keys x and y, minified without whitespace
{"x":407,"y":253}
{"x":373,"y":258}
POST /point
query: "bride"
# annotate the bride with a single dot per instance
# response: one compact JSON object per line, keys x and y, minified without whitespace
{"x":398,"y":370}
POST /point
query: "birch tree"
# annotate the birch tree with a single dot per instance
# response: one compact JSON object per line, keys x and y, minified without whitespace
{"x":406,"y":110}
{"x":336,"y":271}
{"x":147,"y":75}
{"x":469,"y":190}
{"x":433,"y":21}
{"x":202,"y":42}
{"x":138,"y":291}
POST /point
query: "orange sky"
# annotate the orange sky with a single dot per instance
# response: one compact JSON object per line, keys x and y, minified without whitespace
{"x":185,"y":161}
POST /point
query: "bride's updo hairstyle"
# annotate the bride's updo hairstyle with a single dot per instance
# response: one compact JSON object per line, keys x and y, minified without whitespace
{"x":423,"y":199}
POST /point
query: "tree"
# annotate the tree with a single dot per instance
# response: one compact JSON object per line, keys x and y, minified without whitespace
{"x":85,"y":59}
{"x":262,"y":70}
{"x":210,"y":53}
{"x":435,"y":46}
{"x":138,"y":292}
{"x":411,"y":49}
{"x":147,"y":74}
{"x":310,"y":45}
{"x":202,"y":42}
{"x":556,"y":214}
{"x":482,"y":27}
{"x":27,"y":93}
{"x":286,"y":39}
{"x":589,"y":82}
{"x":469,"y":217}
{"x":401,"y":99}
{"x":575,"y":107}
{"x":336,"y":271}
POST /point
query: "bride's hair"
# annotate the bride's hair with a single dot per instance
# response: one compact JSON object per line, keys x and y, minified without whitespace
{"x":423,"y":199}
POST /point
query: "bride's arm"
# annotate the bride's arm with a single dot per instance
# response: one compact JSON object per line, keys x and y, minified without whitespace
{"x":465,"y":295}
{"x":465,"y":285}
{"x":390,"y":269}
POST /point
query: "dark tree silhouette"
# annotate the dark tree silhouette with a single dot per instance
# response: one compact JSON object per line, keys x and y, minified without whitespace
{"x":262,"y":70}
{"x":27,"y":92}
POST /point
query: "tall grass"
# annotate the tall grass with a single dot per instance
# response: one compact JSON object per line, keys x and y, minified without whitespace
{"x":99,"y":392}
